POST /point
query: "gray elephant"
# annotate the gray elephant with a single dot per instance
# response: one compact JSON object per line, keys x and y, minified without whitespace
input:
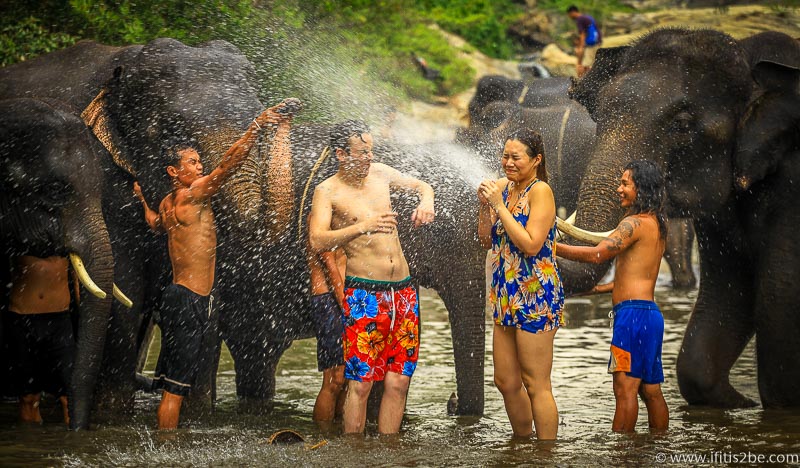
{"x":568,"y":131}
{"x":135,"y":98}
{"x":49,"y":205}
{"x":721,"y":118}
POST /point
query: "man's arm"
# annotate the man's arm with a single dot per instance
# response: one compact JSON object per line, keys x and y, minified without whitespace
{"x":625,"y":235}
{"x":152,"y":217}
{"x":207,"y":186}
{"x":424,"y":213}
{"x":320,"y":235}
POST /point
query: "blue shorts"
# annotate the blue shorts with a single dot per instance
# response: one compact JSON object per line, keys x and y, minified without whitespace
{"x":329,"y":328}
{"x":636,"y":344}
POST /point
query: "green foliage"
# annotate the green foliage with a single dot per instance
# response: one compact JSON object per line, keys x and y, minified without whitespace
{"x":27,"y":39}
{"x":369,"y":40}
{"x":483,"y":23}
{"x":785,"y":7}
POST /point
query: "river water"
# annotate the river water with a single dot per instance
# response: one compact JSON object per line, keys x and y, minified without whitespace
{"x":430,"y":437}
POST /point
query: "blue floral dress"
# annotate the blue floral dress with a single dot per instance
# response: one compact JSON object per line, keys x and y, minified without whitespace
{"x":526,"y":291}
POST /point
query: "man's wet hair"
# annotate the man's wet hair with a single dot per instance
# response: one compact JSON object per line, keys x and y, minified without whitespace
{"x":651,"y":192}
{"x":535,"y":145}
{"x":170,"y":152}
{"x":343,"y":131}
{"x":572,"y":8}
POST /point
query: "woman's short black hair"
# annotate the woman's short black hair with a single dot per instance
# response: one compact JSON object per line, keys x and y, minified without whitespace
{"x":651,"y":191}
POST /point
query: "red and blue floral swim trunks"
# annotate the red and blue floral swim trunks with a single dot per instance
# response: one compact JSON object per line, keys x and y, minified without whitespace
{"x":381,"y":328}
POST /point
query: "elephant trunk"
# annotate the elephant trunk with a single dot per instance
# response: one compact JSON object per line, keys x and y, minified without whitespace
{"x":598,"y":210}
{"x":259,"y":196}
{"x":87,"y":236}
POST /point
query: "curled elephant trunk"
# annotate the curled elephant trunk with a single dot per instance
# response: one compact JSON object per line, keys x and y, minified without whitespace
{"x":87,"y":237}
{"x":259,"y":196}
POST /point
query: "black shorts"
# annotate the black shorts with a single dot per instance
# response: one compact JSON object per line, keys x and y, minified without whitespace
{"x":327,"y":316}
{"x":40,"y":350}
{"x":185,"y":322}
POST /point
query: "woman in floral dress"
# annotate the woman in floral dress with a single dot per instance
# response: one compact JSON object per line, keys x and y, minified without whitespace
{"x":517,"y":221}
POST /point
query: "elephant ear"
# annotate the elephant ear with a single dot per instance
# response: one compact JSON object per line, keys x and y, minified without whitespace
{"x":607,"y":63}
{"x":770,"y":128}
{"x":97,"y":117}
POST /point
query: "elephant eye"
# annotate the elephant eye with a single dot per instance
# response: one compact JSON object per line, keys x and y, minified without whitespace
{"x":683,"y":122}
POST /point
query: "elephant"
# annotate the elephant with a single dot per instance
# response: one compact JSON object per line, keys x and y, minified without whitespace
{"x":720,"y":117}
{"x":569,"y":132}
{"x":49,"y":205}
{"x":137,"y":97}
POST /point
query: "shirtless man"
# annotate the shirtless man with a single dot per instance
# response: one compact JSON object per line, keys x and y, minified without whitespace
{"x":352,"y":210}
{"x":39,"y":334}
{"x":638,"y":244}
{"x":187,"y":218}
{"x":327,"y":297}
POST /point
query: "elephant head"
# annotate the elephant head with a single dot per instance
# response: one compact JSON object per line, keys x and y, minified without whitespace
{"x":661,"y":100}
{"x":50,"y":203}
{"x":170,"y":92}
{"x":720,"y":117}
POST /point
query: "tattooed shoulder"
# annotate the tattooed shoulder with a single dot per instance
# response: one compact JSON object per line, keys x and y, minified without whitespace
{"x":628,"y":225}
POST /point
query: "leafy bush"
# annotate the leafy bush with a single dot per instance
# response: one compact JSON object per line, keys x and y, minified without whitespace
{"x":28,"y":39}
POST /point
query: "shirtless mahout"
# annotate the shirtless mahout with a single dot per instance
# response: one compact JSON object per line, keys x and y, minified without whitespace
{"x":186,"y":215}
{"x":638,"y":244}
{"x":327,"y":297}
{"x":39,"y":333}
{"x":352,"y":210}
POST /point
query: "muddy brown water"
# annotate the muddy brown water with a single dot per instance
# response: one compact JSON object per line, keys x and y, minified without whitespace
{"x":429,"y":436}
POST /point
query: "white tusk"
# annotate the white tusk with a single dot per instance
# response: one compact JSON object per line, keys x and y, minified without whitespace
{"x":581,"y":234}
{"x":571,"y":219}
{"x":121,"y":297}
{"x":83,"y":276}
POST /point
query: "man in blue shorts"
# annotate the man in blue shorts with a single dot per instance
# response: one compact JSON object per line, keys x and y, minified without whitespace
{"x":638,"y":244}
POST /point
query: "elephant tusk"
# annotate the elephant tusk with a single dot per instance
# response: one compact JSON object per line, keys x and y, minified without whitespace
{"x":581,"y":234}
{"x":121,"y":297}
{"x":83,"y":276}
{"x":571,"y":218}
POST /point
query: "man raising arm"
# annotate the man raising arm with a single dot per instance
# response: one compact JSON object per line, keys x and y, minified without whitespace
{"x":188,"y":219}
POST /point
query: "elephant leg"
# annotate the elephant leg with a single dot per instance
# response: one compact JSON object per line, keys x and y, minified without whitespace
{"x":465,"y":304}
{"x":777,"y":321}
{"x":678,"y":253}
{"x":720,"y":327}
{"x":255,"y":359}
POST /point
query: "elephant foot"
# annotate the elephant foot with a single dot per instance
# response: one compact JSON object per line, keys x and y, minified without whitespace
{"x":682,"y":284}
{"x":144,"y":383}
{"x":724,"y":396}
{"x":452,"y":405}
{"x":465,"y":406}
{"x":256,"y":406}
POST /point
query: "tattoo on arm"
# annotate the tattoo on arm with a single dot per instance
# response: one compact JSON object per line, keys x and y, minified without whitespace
{"x":626,"y":229}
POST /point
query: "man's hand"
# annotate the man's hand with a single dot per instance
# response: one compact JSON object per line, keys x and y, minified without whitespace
{"x":580,"y":69}
{"x":280,"y":112}
{"x":491,"y":192}
{"x":137,"y":191}
{"x":423,"y":214}
{"x":384,"y":223}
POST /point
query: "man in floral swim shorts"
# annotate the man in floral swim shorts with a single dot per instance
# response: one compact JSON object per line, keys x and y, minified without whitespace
{"x":352,"y":210}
